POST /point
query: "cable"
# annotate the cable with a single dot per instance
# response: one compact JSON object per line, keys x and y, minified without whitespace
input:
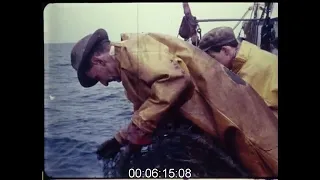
{"x":247,"y":23}
{"x":249,"y":9}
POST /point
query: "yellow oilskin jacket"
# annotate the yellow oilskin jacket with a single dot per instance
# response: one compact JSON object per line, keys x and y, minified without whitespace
{"x":161,"y":73}
{"x":259,"y":68}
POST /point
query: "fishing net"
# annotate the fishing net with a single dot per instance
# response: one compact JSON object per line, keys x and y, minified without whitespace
{"x":177,"y":145}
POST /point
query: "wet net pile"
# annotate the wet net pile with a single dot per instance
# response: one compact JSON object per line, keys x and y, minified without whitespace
{"x":178,"y":145}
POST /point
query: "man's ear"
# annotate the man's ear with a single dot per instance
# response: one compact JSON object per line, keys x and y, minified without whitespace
{"x":226,"y":49}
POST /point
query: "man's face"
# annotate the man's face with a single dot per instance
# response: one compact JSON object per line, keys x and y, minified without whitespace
{"x":104,"y":69}
{"x":225,"y":56}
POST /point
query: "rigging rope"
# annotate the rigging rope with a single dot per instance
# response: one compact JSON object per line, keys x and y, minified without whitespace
{"x":249,"y":9}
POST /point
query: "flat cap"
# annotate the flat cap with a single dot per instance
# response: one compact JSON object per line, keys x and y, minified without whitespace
{"x":217,"y":37}
{"x":80,"y":55}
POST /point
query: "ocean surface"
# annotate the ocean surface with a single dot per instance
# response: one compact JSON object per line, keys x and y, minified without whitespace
{"x":77,"y":119}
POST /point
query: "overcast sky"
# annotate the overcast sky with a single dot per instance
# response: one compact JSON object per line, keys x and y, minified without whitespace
{"x":69,"y":22}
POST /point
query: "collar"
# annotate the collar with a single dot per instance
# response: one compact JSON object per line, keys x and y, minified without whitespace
{"x":119,"y":54}
{"x":242,"y":56}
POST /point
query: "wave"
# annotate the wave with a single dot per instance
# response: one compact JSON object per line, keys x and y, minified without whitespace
{"x":68,"y":64}
{"x":51,"y":110}
{"x":110,"y":96}
{"x":66,"y":157}
{"x":68,"y":146}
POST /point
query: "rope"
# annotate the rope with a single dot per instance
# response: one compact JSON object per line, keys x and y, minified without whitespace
{"x":249,"y":9}
{"x":242,"y":28}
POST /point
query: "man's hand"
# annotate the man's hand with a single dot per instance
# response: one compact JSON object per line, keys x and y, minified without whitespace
{"x":108,"y":149}
{"x":111,"y":147}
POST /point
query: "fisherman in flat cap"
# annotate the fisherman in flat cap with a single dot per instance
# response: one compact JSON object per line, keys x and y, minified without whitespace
{"x":257,"y":67}
{"x":164,"y":76}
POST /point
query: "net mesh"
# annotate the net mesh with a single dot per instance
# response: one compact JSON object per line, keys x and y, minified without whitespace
{"x":177,"y":145}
